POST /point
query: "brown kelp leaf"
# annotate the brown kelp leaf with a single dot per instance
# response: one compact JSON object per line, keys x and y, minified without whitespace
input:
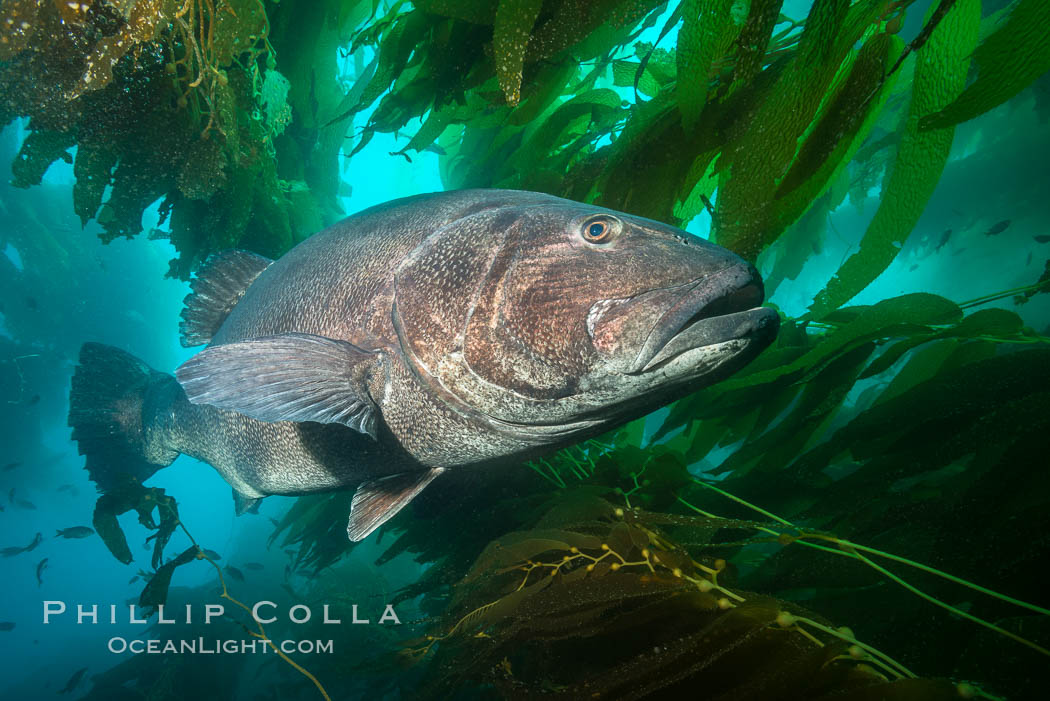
{"x":131,"y":495}
{"x":92,"y":169}
{"x":145,"y":19}
{"x":40,"y":149}
{"x":155,"y":592}
{"x":18,"y":25}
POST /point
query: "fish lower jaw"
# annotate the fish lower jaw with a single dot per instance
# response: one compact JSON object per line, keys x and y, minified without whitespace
{"x":728,"y":336}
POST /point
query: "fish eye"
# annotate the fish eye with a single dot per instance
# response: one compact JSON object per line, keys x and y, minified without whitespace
{"x":597,"y":230}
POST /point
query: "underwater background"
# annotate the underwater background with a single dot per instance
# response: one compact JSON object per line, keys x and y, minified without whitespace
{"x":862,"y":513}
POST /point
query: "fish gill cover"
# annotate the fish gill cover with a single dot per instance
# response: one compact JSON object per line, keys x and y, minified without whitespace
{"x":881,"y":466}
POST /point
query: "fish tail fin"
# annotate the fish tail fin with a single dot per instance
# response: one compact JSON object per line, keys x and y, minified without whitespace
{"x":116,"y":402}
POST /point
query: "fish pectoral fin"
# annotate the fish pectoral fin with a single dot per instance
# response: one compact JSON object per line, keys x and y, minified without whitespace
{"x":219,"y":285}
{"x":375,"y":502}
{"x":288,"y":377}
{"x":244,"y":504}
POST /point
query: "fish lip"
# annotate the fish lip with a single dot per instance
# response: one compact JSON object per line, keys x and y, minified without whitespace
{"x":718,"y":307}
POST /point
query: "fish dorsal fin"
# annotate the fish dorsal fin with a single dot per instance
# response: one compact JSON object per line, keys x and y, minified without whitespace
{"x":288,"y":377}
{"x":375,"y":502}
{"x":218,"y":287}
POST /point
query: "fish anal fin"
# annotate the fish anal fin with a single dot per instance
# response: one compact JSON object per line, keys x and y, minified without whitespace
{"x":375,"y":502}
{"x":219,"y":285}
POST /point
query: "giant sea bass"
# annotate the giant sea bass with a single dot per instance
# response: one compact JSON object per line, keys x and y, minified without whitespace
{"x":458,"y":330}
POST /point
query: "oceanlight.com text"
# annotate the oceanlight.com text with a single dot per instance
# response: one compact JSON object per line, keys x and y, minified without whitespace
{"x":214,"y":646}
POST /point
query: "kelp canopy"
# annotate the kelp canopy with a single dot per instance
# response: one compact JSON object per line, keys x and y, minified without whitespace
{"x":871,"y":443}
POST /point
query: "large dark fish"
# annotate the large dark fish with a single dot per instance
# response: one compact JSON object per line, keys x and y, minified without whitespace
{"x":469,"y":328}
{"x":40,"y":567}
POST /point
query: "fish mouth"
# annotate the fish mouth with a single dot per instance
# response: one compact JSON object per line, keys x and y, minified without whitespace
{"x":717,"y":308}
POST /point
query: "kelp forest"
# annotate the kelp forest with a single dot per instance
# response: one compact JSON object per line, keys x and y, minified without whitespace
{"x":861,"y":513}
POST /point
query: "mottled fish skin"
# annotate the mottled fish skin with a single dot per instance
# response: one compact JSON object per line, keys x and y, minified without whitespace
{"x":479,"y":327}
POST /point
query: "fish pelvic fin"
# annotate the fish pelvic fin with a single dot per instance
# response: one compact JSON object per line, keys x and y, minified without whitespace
{"x":115,"y":401}
{"x":219,"y":285}
{"x":375,"y":502}
{"x":287,"y":377}
{"x":244,"y":504}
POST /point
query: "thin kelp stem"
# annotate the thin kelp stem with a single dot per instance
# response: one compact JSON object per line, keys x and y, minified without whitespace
{"x":931,"y":570}
{"x":852,"y":550}
{"x":261,"y":634}
{"x":993,"y":296}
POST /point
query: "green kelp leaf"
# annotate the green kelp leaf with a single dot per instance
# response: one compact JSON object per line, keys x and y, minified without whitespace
{"x":544,"y":88}
{"x":995,"y":322}
{"x":155,"y":592}
{"x":923,"y":365}
{"x":987,"y":322}
{"x":889,"y":357}
{"x":592,"y":105}
{"x":754,"y":39}
{"x":625,"y":72}
{"x":853,"y":105}
{"x":707,"y":32}
{"x":1008,"y":61}
{"x":431,"y":130}
{"x":751,"y":166}
{"x":573,"y":20}
{"x":394,"y":51}
{"x":514,"y":22}
{"x":819,"y":400}
{"x":466,"y":10}
{"x":911,"y":313}
{"x":940,"y":75}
